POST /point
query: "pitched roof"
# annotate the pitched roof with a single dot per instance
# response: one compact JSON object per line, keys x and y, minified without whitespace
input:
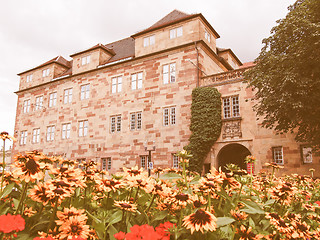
{"x":220,"y":50}
{"x":58,"y":60}
{"x":99,"y":45}
{"x":173,"y":17}
{"x":123,"y":48}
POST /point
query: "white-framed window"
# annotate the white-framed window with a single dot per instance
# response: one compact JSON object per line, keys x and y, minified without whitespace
{"x":306,"y":154}
{"x":84,"y":91}
{"x":103,"y":164}
{"x":26,"y":106}
{"x":277,"y":153}
{"x":50,"y":133}
{"x":175,"y":161}
{"x":39,"y":103}
{"x":29,"y":78}
{"x":115,"y":123}
{"x":83,"y":128}
{"x":53,"y":99}
{"x":207,"y":35}
{"x":231,"y":107}
{"x":176,"y":32}
{"x":169,"y":116}
{"x":23,"y":137}
{"x":85,"y":60}
{"x":136,"y":81}
{"x":144,"y":161}
{"x":116,"y":84}
{"x":45,"y":72}
{"x":169,"y":73}
{"x":36,"y":135}
{"x":66,"y":129}
{"x":67,"y":96}
{"x":136,"y":121}
{"x":148,"y":41}
{"x":109,"y":163}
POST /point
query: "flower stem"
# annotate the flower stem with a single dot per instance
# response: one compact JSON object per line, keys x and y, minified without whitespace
{"x":3,"y":162}
{"x":53,"y":214}
{"x":151,"y":202}
{"x":22,"y":197}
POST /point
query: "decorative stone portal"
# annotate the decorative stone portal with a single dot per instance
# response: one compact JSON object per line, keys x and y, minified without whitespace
{"x":233,"y":153}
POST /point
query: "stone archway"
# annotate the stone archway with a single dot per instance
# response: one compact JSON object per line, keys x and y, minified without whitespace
{"x":233,"y":153}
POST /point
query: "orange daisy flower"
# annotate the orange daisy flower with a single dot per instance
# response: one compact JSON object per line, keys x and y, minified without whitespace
{"x":74,"y":227}
{"x":28,"y":168}
{"x":200,"y":220}
{"x":125,"y":205}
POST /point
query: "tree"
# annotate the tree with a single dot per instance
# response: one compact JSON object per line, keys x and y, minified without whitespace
{"x":287,"y":74}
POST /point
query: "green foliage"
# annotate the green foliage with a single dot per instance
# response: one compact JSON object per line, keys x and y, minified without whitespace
{"x":205,"y":124}
{"x":287,"y":75}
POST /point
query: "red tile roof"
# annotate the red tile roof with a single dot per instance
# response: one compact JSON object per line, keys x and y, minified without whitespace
{"x":123,"y":48}
{"x":247,"y":65}
{"x":99,"y":45}
{"x":173,"y":17}
{"x":59,"y":60}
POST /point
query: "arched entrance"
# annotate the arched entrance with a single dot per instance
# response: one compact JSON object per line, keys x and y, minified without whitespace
{"x":233,"y":153}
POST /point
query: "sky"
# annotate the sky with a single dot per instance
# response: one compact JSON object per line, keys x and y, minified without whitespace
{"x":35,"y":31}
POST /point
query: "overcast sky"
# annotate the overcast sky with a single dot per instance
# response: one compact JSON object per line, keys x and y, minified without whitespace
{"x":35,"y":31}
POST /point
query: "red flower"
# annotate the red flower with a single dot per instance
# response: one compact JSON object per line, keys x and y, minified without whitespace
{"x":163,"y":228}
{"x":9,"y":223}
{"x":120,"y":235}
{"x":317,"y":202}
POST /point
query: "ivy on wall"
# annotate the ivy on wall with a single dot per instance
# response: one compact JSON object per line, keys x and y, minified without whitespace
{"x":205,"y":124}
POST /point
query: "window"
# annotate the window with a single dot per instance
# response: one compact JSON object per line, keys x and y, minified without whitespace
{"x":136,"y":81}
{"x":115,"y":124}
{"x":46,"y":72}
{"x":85,"y":91}
{"x":176,"y":32}
{"x":85,"y":60}
{"x":169,"y":116}
{"x":52,"y":99}
{"x":103,"y":164}
{"x":39,"y":103}
{"x":36,"y":135}
{"x":144,"y":161}
{"x":175,"y":161}
{"x":207,"y":35}
{"x":29,"y":78}
{"x":23,"y":138}
{"x":148,"y":41}
{"x":66,"y":128}
{"x":135,"y":121}
{"x":26,"y":106}
{"x":83,"y":128}
{"x":231,"y":107}
{"x":169,"y":73}
{"x":306,"y":153}
{"x":116,"y":84}
{"x":109,"y":163}
{"x":50,"y":133}
{"x":277,"y":153}
{"x":67,"y":96}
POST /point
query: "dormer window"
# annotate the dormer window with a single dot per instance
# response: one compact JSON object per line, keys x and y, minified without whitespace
{"x":85,"y":60}
{"x":148,"y":41}
{"x":176,"y":32}
{"x":207,"y":36}
{"x":45,"y":73}
{"x":29,"y":78}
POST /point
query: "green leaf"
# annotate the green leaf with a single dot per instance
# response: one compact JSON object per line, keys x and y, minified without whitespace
{"x":195,"y":180}
{"x":169,"y":176}
{"x":23,"y":236}
{"x":161,"y":215}
{"x":112,"y":231}
{"x":39,"y":224}
{"x":222,"y":221}
{"x":251,"y":223}
{"x":115,"y":217}
{"x":93,"y":217}
{"x":252,"y":208}
{"x":7,"y":190}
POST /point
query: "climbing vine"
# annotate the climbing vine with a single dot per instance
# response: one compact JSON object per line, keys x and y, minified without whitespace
{"x":205,"y":124}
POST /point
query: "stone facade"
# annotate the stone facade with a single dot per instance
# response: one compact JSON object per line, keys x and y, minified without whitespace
{"x":113,"y":102}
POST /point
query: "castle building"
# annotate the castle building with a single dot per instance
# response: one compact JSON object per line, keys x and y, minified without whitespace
{"x":114,"y":103}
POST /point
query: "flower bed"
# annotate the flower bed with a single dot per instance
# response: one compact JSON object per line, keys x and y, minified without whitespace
{"x":53,"y":198}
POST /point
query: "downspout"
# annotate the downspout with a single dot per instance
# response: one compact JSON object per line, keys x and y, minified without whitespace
{"x":198,"y":77}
